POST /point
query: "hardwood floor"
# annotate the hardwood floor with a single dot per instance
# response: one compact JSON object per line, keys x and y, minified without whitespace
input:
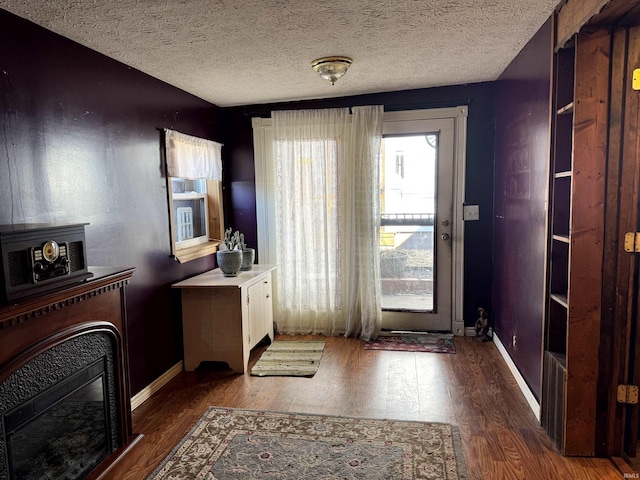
{"x":473,"y":389}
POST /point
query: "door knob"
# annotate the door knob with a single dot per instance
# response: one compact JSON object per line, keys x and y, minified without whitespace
{"x":445,"y":236}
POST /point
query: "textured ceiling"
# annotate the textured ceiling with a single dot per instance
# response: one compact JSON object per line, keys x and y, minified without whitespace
{"x":236,"y":52}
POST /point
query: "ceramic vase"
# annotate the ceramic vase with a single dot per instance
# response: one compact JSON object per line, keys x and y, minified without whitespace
{"x":229,"y":262}
{"x":248,"y":256}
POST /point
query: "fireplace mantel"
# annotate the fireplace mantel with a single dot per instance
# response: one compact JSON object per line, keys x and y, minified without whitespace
{"x":35,"y":324}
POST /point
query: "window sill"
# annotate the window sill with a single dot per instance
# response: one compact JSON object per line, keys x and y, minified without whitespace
{"x":197,"y":251}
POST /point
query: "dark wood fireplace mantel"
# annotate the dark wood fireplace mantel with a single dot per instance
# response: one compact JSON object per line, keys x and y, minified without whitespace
{"x":35,"y":324}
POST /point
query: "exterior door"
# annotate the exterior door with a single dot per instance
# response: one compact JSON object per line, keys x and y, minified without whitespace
{"x":417,"y":224}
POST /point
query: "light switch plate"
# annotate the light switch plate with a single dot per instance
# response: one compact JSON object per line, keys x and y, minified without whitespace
{"x":471,"y":212}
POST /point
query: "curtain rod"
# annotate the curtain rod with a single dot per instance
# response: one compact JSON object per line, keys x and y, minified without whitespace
{"x":394,"y":107}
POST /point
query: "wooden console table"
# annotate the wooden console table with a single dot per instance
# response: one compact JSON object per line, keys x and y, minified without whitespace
{"x":223,"y":318}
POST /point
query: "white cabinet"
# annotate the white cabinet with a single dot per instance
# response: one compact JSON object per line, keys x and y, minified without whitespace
{"x":223,"y":318}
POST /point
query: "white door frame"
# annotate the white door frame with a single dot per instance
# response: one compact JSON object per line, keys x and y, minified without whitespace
{"x":264,"y":205}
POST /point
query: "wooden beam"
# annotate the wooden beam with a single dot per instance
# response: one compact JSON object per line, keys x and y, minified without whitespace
{"x":617,"y":265}
{"x":631,"y":157}
{"x":576,"y":14}
{"x":591,"y":109}
{"x":573,"y":15}
{"x":620,"y":13}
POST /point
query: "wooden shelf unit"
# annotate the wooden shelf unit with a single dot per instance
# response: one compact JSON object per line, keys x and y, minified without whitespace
{"x":575,"y":240}
{"x":560,"y":203}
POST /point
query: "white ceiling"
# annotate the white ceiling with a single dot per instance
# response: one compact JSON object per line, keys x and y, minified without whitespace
{"x":238,"y":52}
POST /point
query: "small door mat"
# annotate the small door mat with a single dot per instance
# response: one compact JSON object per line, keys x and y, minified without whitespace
{"x":419,"y":342}
{"x":289,"y":358}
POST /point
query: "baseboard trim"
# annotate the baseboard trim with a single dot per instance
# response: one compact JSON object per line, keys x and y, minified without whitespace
{"x":526,"y":391}
{"x":144,"y":394}
{"x":471,"y":331}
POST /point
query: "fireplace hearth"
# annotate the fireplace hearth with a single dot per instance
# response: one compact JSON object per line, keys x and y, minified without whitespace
{"x":64,"y":394}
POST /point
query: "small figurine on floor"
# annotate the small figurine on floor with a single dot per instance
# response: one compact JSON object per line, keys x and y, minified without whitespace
{"x":482,"y":326}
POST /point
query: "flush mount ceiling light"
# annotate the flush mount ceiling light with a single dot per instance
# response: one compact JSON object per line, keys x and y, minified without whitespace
{"x":331,"y":68}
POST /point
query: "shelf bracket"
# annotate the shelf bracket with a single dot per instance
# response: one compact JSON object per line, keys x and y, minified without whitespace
{"x":632,"y":242}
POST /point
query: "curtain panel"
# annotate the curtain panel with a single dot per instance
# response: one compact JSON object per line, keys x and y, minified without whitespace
{"x":192,"y":157}
{"x":327,"y":209}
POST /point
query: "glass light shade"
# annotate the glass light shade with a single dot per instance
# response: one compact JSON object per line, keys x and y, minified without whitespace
{"x":331,"y":68}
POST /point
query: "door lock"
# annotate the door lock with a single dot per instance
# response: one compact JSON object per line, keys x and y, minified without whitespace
{"x":445,"y":236}
{"x":445,"y":223}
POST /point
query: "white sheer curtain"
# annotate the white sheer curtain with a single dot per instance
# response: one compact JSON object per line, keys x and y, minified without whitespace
{"x":327,"y":225}
{"x":192,"y":157}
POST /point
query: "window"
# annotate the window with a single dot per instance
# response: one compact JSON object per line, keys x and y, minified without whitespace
{"x":190,"y":212}
{"x":195,"y":195}
{"x":195,"y":217}
{"x":316,"y":174}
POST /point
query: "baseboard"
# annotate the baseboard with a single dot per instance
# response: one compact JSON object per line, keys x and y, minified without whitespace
{"x":526,"y":391}
{"x":471,"y":331}
{"x":144,"y":394}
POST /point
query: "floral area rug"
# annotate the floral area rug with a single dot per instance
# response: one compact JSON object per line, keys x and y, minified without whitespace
{"x":422,"y":342}
{"x":290,"y":358}
{"x":231,"y":444}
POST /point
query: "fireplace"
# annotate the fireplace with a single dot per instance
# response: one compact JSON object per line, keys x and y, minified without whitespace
{"x":64,"y":395}
{"x":60,"y":422}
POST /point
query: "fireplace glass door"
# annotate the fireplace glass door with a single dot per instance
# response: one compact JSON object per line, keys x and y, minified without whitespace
{"x":62,"y":432}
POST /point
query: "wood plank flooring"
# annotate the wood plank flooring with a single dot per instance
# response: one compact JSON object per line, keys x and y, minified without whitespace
{"x":472,"y":389}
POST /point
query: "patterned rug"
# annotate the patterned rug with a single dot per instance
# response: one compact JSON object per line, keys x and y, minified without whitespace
{"x":290,"y":358}
{"x":230,"y":444}
{"x":420,"y":342}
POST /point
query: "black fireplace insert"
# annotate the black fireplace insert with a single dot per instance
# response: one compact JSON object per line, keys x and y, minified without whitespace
{"x":64,"y":423}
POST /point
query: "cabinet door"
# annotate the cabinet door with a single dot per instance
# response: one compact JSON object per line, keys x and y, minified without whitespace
{"x":254,"y":299}
{"x":260,"y":310}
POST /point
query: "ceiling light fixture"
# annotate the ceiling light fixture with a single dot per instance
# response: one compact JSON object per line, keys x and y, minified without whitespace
{"x":331,"y":68}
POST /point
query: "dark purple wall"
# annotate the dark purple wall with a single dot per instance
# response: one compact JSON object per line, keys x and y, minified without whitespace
{"x":522,"y":157}
{"x":80,"y":142}
{"x":240,"y":175}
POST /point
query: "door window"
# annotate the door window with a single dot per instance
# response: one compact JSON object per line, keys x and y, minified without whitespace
{"x":408,"y":207}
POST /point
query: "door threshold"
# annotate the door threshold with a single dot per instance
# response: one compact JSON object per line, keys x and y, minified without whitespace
{"x":416,"y":332}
